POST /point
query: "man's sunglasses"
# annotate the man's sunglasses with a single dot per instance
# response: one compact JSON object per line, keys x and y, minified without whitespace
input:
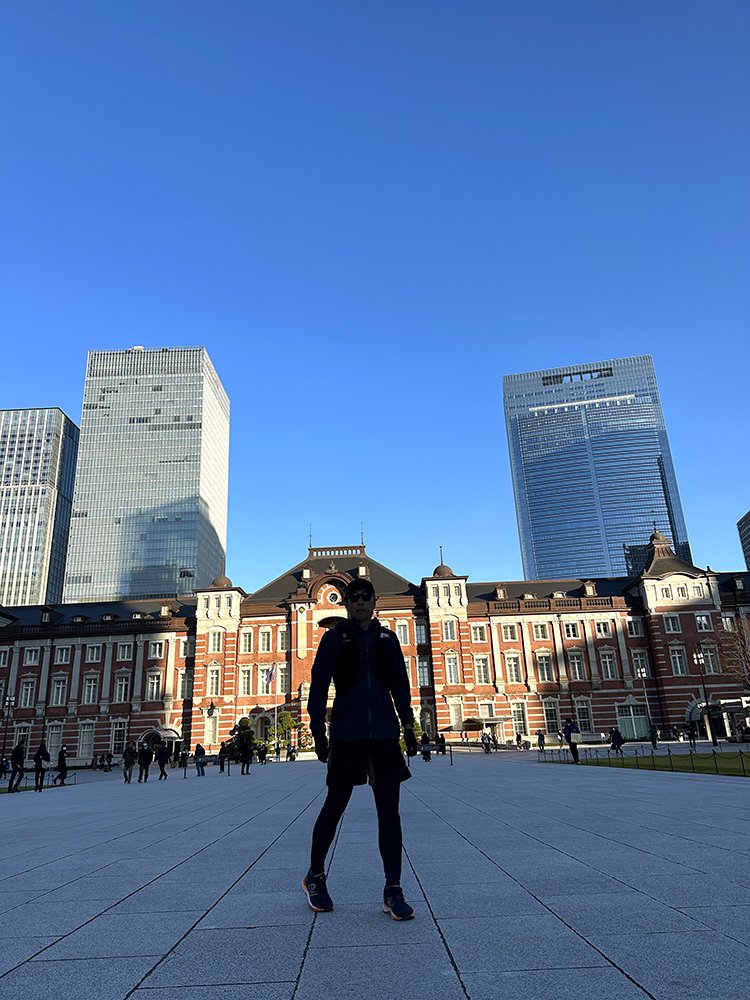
{"x":356,"y":598}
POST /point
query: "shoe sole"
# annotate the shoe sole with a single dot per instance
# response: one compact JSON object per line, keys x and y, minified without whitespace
{"x":315,"y":909}
{"x":392,"y":915}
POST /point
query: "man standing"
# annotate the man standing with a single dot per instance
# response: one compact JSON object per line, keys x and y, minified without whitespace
{"x":145,"y":756}
{"x":366,"y":664}
{"x":129,"y":757}
{"x":572,"y":735}
{"x":16,"y":762}
{"x":162,"y":759}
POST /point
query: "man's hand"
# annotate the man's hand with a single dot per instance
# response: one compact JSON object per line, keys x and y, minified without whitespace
{"x":321,"y":748}
{"x":411,"y":742}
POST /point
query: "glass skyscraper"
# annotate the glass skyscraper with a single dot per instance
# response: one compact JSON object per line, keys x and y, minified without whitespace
{"x":591,"y":466}
{"x":38,"y":449}
{"x":150,"y":505}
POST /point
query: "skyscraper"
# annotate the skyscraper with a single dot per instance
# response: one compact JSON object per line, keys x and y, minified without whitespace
{"x":38,"y":451}
{"x":743,"y":526}
{"x":591,"y":466}
{"x":150,"y":505}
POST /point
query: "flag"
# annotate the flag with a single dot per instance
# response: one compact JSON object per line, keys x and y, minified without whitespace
{"x":271,"y":675}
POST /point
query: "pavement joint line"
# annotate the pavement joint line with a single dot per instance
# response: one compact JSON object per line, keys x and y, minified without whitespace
{"x":541,"y":902}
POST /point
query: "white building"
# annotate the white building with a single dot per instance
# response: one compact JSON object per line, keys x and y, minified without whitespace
{"x":150,"y":506}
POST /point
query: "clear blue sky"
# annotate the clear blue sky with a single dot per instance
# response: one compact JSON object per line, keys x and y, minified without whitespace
{"x":368,"y":213}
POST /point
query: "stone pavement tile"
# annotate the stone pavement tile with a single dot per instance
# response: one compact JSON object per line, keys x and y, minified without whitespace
{"x":105,"y":936}
{"x":353,"y":925}
{"x":618,"y":862}
{"x":161,"y":898}
{"x":262,"y":954}
{"x":258,"y":909}
{"x":45,"y":918}
{"x":689,"y":889}
{"x":9,"y":900}
{"x":16,"y":950}
{"x":45,"y":877}
{"x":93,"y":887}
{"x":269,"y":991}
{"x":495,"y":899}
{"x":98,"y":979}
{"x":733,"y":921}
{"x":560,"y":878}
{"x":460,"y":872}
{"x":270,"y":879}
{"x":617,"y":911}
{"x":379,"y":973}
{"x":517,"y":943}
{"x":562,"y":984}
{"x":679,"y":966}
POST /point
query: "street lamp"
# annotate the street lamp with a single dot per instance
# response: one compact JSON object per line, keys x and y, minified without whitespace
{"x":642,"y":672}
{"x":698,"y":660}
{"x":10,"y":704}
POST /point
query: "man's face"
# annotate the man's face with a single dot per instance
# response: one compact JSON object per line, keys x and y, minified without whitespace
{"x":361,"y":605}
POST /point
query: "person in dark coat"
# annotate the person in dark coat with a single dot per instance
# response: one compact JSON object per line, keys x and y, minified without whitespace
{"x":42,"y":763}
{"x":653,"y":733}
{"x":129,"y":760}
{"x":245,"y":756}
{"x":222,"y":756}
{"x":569,"y":729}
{"x":200,"y":761}
{"x":425,"y":743}
{"x":17,"y":757}
{"x":145,"y":757}
{"x":162,"y":759}
{"x":617,"y":739}
{"x":62,"y":766}
{"x":441,"y":744}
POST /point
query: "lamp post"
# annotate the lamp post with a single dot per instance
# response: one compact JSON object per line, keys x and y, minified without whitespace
{"x":698,"y":660}
{"x":641,"y":672}
{"x":10,"y":704}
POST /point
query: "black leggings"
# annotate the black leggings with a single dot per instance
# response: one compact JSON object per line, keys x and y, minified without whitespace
{"x":389,"y":827}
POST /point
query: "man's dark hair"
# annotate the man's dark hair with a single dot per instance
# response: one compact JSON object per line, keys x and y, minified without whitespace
{"x":359,"y":586}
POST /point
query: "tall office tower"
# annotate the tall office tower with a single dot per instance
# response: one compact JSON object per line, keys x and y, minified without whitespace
{"x":591,"y":466}
{"x":743,"y":526}
{"x":38,"y":451}
{"x":150,"y":506}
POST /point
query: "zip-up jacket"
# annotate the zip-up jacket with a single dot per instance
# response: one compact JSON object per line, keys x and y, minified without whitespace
{"x":368,"y":670}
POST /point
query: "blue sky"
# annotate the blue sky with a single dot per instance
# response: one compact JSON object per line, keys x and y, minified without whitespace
{"x":368,"y":213}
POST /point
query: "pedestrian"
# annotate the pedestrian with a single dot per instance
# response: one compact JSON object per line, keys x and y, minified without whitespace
{"x":4,"y":765}
{"x":486,"y":742}
{"x":693,"y":735}
{"x":145,"y":756}
{"x":441,"y":744}
{"x":17,"y":757}
{"x":653,"y":733}
{"x":560,"y":738}
{"x":572,"y":735}
{"x":245,"y":757}
{"x":519,"y":741}
{"x":184,"y":758}
{"x":617,"y":740}
{"x":129,"y":758}
{"x":222,"y":756}
{"x":162,"y":759}
{"x":277,"y":752}
{"x":62,"y":766}
{"x":372,"y":693}
{"x":426,"y":754}
{"x":200,"y":761}
{"x":262,"y":753}
{"x":540,"y":739}
{"x":109,"y":757}
{"x":42,"y":764}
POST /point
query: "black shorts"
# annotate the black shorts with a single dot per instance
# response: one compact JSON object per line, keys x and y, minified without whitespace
{"x":366,"y":761}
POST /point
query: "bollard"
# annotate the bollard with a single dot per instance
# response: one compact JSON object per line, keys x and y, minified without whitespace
{"x":671,"y":762}
{"x":742,"y":762}
{"x":716,"y":761}
{"x":450,"y":751}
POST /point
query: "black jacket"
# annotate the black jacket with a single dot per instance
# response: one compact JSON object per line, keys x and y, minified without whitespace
{"x":368,"y":670}
{"x":145,"y":756}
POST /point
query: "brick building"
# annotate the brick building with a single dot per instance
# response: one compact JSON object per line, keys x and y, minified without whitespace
{"x":509,"y":656}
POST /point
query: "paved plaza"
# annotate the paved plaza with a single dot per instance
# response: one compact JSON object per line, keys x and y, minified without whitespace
{"x":529,"y":880}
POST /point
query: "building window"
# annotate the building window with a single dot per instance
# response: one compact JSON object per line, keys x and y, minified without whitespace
{"x":449,"y":630}
{"x":86,"y":740}
{"x":572,"y":632}
{"x":421,"y":630}
{"x":59,"y":691}
{"x":640,"y":663}
{"x":119,"y":734}
{"x":211,"y":730}
{"x":672,"y":623}
{"x":711,"y":660}
{"x":93,"y":653}
{"x":246,"y":642}
{"x":155,"y":650}
{"x":283,"y":638}
{"x":282,"y":677}
{"x":482,"y":669}
{"x":698,"y":590}
{"x":122,"y":688}
{"x":635,"y":627}
{"x":551,"y":716}
{"x":727,"y":623}
{"x":703,"y":623}
{"x":609,"y":665}
{"x":90,"y":690}
{"x":54,"y":741}
{"x":153,"y":687}
{"x":3,"y":657}
{"x":182,"y":687}
{"x":265,"y":640}
{"x":246,"y":683}
{"x":457,"y":716}
{"x":266,"y":677}
{"x":62,"y":654}
{"x":518,"y":716}
{"x":682,"y":593}
{"x":23,"y":734}
{"x":678,"y":660}
{"x":451,"y":669}
{"x":540,"y":630}
{"x":513,"y":668}
{"x":186,"y":648}
{"x":31,"y":656}
{"x":666,"y":593}
{"x":510,"y":633}
{"x":583,"y":715}
{"x":215,"y":642}
{"x":402,"y":632}
{"x":575,"y":662}
{"x":28,"y":690}
{"x":479,"y":633}
{"x":124,"y":650}
{"x":212,"y":681}
{"x":544,"y":667}
{"x":423,"y":671}
{"x":603,"y":630}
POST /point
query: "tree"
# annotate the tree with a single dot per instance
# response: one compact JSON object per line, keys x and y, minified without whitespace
{"x":734,"y":649}
{"x":284,"y":725}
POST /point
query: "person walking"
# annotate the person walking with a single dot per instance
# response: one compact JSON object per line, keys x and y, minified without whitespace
{"x":692,"y":735}
{"x":425,"y":743}
{"x":162,"y":759}
{"x":17,"y":757}
{"x":145,"y":757}
{"x":222,"y":756}
{"x":245,"y":757}
{"x":540,"y":740}
{"x":486,"y":742}
{"x":129,"y":758}
{"x":200,"y":761}
{"x":653,"y":733}
{"x":572,"y":735}
{"x":617,"y":740}
{"x":42,"y":764}
{"x":372,"y":693}
{"x":440,"y":743}
{"x":62,"y":766}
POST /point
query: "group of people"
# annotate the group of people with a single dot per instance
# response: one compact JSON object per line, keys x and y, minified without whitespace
{"x":42,"y":764}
